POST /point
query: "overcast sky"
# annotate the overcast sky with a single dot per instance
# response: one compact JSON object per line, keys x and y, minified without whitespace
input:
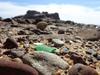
{"x":81,"y":11}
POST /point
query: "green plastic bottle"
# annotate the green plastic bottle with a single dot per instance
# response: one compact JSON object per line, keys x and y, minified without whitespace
{"x":45,"y":48}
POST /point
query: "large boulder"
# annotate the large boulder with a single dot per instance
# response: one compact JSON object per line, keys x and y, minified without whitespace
{"x":32,"y":14}
{"x":52,"y":16}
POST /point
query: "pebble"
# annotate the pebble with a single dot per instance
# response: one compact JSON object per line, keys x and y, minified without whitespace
{"x":64,"y":50}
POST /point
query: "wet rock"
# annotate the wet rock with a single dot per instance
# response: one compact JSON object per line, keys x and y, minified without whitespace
{"x":10,"y":43}
{"x":80,"y":69}
{"x":41,"y":25}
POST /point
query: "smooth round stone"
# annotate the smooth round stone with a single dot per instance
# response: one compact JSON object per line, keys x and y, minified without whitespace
{"x":80,"y":69}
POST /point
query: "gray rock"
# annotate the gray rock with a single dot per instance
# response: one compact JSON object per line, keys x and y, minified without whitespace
{"x":53,"y":16}
{"x":52,"y":59}
{"x":98,"y":57}
{"x":46,"y":63}
{"x":32,"y":14}
{"x":57,"y":42}
{"x":17,"y":52}
{"x":91,"y":52}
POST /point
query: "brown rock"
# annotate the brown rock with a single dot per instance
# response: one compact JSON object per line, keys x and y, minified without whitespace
{"x":61,"y":32}
{"x":76,"y":58}
{"x":80,"y":69}
{"x":13,"y":68}
{"x":41,"y":25}
{"x":10,"y":43}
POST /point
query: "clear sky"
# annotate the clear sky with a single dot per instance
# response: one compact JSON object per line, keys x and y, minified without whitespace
{"x":84,"y":11}
{"x":79,"y":2}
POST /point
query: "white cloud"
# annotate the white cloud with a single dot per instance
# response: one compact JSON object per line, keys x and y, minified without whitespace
{"x":76,"y":13}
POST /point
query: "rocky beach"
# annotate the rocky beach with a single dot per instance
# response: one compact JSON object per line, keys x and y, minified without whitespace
{"x":49,"y":45}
